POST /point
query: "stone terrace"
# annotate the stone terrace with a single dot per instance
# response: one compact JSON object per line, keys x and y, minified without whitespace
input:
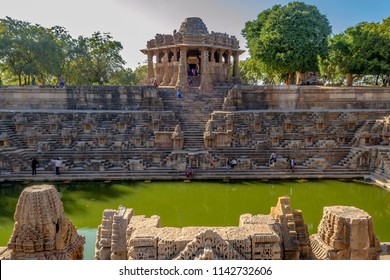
{"x":142,"y":133}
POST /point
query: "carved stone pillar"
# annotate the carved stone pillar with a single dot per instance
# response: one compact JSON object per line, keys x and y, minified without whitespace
{"x":150,"y":66}
{"x":166,"y":76}
{"x":182,"y":78}
{"x":206,"y":83}
{"x":175,"y":68}
{"x":236,"y":70}
{"x":212,"y":66}
{"x":221,"y":75}
{"x":227,"y":65}
{"x":212,"y":55}
{"x":159,"y":70}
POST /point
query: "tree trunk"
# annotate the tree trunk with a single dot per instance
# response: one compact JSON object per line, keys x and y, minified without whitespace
{"x":349,"y":80}
{"x":291,"y":80}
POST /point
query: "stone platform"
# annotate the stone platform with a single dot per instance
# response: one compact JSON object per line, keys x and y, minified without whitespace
{"x":144,"y":133}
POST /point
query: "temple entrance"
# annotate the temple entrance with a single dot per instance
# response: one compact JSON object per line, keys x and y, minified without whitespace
{"x":193,"y":62}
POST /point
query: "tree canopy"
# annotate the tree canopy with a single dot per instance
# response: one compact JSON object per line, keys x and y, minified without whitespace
{"x":359,"y":51}
{"x":287,"y":39}
{"x":32,"y":53}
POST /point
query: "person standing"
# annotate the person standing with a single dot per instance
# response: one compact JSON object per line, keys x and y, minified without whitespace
{"x":292,"y":164}
{"x":179,"y":95}
{"x":57,"y":163}
{"x":34,"y":164}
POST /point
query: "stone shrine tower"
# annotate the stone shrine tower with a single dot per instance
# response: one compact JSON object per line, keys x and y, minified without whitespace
{"x":41,"y":231}
{"x":193,"y":56}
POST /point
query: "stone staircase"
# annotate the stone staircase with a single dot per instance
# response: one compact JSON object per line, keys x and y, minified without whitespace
{"x":193,"y":111}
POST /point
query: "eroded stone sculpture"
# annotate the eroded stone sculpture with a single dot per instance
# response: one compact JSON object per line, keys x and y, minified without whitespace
{"x":41,"y":231}
{"x":345,"y":232}
{"x":280,"y":235}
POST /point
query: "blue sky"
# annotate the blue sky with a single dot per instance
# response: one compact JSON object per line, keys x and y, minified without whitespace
{"x":133,"y":22}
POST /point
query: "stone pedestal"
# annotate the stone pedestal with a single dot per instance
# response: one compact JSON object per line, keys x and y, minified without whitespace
{"x":345,"y":233}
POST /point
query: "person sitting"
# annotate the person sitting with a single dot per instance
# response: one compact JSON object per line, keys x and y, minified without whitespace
{"x":272,"y":158}
{"x":233,"y":163}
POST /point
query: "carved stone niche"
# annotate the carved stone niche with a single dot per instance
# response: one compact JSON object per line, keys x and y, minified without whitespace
{"x":33,"y":136}
{"x":257,"y":123}
{"x":163,"y":139}
{"x":53,"y":127}
{"x":43,"y":146}
{"x":288,"y":125}
{"x":20,"y":123}
{"x":275,"y":141}
{"x":119,"y":145}
{"x":351,"y":125}
{"x":223,"y":139}
{"x":229,"y":122}
{"x":4,"y":141}
{"x":67,"y":136}
{"x":309,"y":141}
{"x":88,"y":123}
{"x":122,"y":127}
{"x":53,"y":123}
{"x":244,"y":137}
{"x":365,"y":139}
{"x":87,"y":127}
{"x":102,"y":137}
{"x":341,"y":139}
{"x":296,"y":145}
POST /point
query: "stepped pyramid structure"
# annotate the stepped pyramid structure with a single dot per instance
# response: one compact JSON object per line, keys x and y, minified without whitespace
{"x":147,"y":133}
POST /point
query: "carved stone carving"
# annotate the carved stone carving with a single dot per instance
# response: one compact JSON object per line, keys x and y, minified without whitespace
{"x":345,"y":233}
{"x":41,"y":229}
{"x":259,"y":237}
{"x":178,"y":138}
{"x":208,"y":245}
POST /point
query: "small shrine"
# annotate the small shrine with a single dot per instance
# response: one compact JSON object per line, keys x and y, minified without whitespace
{"x":192,"y":56}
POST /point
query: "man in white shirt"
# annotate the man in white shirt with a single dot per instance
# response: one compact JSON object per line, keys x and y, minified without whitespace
{"x":57,"y":163}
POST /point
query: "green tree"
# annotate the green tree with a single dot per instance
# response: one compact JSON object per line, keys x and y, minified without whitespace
{"x":250,"y":71}
{"x":104,"y":56}
{"x":360,"y":50}
{"x":141,"y":75}
{"x":15,"y":48}
{"x":288,"y":39}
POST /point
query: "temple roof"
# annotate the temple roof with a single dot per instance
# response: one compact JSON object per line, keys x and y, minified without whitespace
{"x":193,"y":26}
{"x":193,"y":32}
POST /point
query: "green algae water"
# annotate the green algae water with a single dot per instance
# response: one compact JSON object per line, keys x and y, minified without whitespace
{"x":181,"y":204}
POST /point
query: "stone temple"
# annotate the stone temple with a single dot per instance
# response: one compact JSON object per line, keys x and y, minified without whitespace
{"x":192,"y":52}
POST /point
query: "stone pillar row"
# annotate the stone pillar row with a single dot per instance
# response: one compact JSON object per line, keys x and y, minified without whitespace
{"x":173,"y":71}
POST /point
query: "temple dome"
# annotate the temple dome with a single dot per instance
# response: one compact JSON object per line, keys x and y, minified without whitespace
{"x":193,"y":26}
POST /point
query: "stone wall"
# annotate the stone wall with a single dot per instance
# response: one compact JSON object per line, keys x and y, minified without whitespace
{"x":80,"y":98}
{"x":306,"y":97}
{"x":239,"y":98}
